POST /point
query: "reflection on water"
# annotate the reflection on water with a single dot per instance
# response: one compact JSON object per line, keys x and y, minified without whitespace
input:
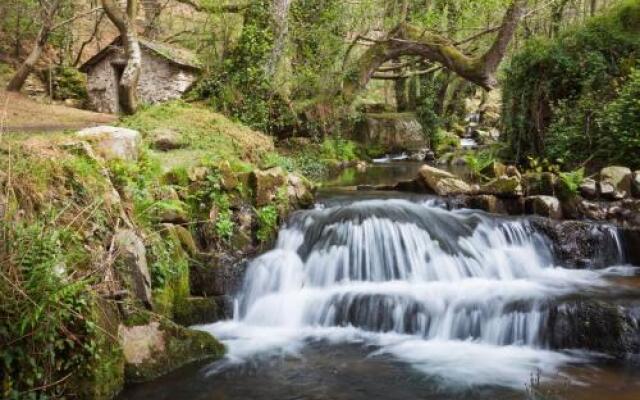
{"x":347,"y":372}
{"x":388,"y":173}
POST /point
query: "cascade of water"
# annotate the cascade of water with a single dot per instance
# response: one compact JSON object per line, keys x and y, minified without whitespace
{"x":398,"y":272}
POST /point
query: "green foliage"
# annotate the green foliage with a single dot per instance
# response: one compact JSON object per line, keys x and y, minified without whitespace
{"x":43,"y":312}
{"x":267,"y":222}
{"x":571,"y":181}
{"x":572,"y":98}
{"x":443,"y":141}
{"x":224,"y":222}
{"x":478,"y":161}
{"x":339,"y":149}
{"x":67,"y":83}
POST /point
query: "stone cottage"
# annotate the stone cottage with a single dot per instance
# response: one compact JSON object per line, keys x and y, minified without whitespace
{"x":167,"y":72}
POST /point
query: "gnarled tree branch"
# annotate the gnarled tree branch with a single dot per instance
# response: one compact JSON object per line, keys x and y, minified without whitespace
{"x":409,"y":40}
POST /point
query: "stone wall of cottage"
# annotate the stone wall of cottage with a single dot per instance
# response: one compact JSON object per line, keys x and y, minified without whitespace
{"x":160,"y":80}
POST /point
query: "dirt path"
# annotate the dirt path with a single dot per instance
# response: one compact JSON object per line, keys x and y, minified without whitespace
{"x":18,"y":113}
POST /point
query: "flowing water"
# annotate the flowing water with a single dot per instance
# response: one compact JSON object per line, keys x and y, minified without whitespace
{"x":397,"y":297}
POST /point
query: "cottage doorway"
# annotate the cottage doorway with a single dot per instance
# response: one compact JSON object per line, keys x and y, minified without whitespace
{"x":118,"y":71}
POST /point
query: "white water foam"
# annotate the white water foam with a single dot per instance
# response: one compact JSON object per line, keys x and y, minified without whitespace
{"x":458,"y":295}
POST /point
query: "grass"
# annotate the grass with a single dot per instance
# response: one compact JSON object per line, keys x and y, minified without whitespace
{"x":207,"y":136}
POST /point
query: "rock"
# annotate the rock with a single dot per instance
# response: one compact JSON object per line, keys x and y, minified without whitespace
{"x":419,"y":155}
{"x":199,"y":310}
{"x":581,"y":244}
{"x":131,"y":263}
{"x":184,"y":237}
{"x":512,"y":170}
{"x":228,"y":179}
{"x":220,"y":275}
{"x":167,"y":139}
{"x":594,"y":325}
{"x":171,"y":212}
{"x":112,"y":142}
{"x":503,"y":186}
{"x":589,"y":189}
{"x":266,"y":183}
{"x":484,"y":202}
{"x":536,"y":183}
{"x":391,"y":132}
{"x":166,"y":193}
{"x":545,"y":206}
{"x":494,"y":170}
{"x":615,"y":182}
{"x":361,"y":166}
{"x":635,"y":184}
{"x":159,"y":347}
{"x":442,"y":182}
{"x":300,"y":191}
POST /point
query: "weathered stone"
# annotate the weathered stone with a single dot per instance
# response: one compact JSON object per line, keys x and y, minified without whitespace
{"x":503,"y":186}
{"x":545,"y":206}
{"x":300,"y":191}
{"x":166,"y":193}
{"x":635,"y":184}
{"x":485,"y":202}
{"x":589,"y":189}
{"x":615,"y":182}
{"x":199,"y":310}
{"x":389,"y":133}
{"x":442,"y":182}
{"x":132,"y":265}
{"x":494,"y":170}
{"x":512,"y":170}
{"x":595,"y":326}
{"x":171,"y":212}
{"x":166,"y":73}
{"x":159,"y":347}
{"x":113,"y":142}
{"x":266,"y":183}
{"x":228,"y":179}
{"x":221,"y":275}
{"x":182,"y":235}
{"x":167,"y":139}
{"x":581,"y":244}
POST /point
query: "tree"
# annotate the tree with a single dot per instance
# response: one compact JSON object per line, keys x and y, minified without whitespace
{"x":410,"y":40}
{"x":124,"y":20}
{"x":48,"y":11}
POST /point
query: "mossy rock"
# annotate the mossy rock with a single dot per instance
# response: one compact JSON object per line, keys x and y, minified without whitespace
{"x":198,"y":310}
{"x":103,"y":377}
{"x":162,"y":346}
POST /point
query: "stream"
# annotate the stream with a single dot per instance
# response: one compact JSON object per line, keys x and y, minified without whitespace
{"x":383,"y":295}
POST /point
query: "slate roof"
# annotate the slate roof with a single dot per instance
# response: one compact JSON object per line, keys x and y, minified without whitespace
{"x":175,"y":55}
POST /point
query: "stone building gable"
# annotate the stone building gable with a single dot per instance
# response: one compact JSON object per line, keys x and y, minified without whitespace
{"x":166,"y":73}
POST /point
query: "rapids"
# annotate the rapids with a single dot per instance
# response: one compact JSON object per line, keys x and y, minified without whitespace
{"x":461,"y":296}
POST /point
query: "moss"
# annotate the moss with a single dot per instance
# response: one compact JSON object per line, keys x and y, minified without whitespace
{"x":103,"y":376}
{"x":197,"y":310}
{"x":181,"y":346}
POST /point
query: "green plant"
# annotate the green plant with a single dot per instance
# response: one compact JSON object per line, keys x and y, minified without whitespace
{"x":571,"y":181}
{"x":267,"y":222}
{"x":44,"y":313}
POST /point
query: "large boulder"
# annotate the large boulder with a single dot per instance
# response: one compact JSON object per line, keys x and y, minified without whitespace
{"x":113,"y":142}
{"x":503,"y":186}
{"x":266,"y":183}
{"x":545,"y":206}
{"x":131,"y":264}
{"x":615,"y":182}
{"x":442,"y":182}
{"x":158,"y":347}
{"x":228,"y":179}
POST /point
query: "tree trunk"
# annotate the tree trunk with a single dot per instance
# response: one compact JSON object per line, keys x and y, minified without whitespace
{"x":280,"y":20}
{"x":26,"y":68}
{"x":409,"y":40}
{"x":125,"y":22}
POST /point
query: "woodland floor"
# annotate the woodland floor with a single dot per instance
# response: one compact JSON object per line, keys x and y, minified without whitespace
{"x":19,"y":113}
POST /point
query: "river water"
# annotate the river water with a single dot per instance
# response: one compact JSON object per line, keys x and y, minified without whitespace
{"x":388,"y":296}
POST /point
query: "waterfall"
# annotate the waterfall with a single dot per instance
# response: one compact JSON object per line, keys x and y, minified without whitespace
{"x":458,"y":294}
